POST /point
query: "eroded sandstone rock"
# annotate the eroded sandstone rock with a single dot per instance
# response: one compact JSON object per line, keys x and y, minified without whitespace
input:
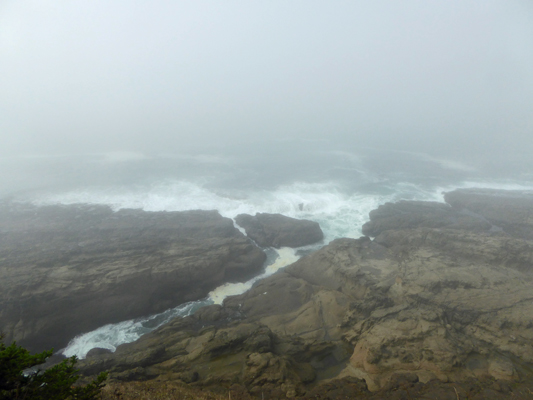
{"x":439,"y":299}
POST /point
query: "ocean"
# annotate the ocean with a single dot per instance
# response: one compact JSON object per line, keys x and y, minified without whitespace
{"x":335,"y":187}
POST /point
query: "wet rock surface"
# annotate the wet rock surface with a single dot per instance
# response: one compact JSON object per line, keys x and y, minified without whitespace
{"x":276,"y":230}
{"x":65,"y":270}
{"x":438,"y":305}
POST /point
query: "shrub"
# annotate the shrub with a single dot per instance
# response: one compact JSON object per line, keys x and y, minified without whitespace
{"x":55,"y":383}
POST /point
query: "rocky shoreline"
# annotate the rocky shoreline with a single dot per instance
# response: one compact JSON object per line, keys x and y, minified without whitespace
{"x":70,"y":269}
{"x":436,"y":300}
{"x":66,"y":270}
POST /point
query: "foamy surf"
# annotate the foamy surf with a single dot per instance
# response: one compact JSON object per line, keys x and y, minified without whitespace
{"x":286,"y":256}
{"x":113,"y":335}
{"x":340,"y":214}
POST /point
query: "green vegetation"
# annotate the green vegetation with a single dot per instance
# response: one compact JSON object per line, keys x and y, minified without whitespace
{"x":55,"y":383}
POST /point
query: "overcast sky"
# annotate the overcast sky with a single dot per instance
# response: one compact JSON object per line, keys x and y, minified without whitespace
{"x":448,"y":77}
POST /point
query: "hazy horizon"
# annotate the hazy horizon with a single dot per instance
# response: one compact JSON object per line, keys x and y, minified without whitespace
{"x":452,"y":79}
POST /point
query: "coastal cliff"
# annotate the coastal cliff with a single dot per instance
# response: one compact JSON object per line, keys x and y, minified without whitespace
{"x":441,"y":297}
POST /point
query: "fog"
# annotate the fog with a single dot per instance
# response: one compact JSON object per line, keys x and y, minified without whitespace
{"x":448,"y":78}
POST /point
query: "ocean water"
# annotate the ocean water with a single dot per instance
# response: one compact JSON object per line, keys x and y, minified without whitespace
{"x":336,"y":188}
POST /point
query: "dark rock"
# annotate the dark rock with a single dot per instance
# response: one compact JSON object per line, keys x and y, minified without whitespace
{"x":97,"y":351}
{"x":65,"y":270}
{"x":276,"y":230}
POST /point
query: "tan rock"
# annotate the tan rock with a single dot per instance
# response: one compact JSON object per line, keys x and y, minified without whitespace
{"x":427,"y":300}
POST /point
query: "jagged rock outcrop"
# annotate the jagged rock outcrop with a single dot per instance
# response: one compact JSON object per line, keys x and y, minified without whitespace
{"x":65,"y":270}
{"x":441,"y":298}
{"x":276,"y":230}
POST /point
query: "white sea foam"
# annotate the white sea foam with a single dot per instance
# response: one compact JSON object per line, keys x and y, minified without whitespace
{"x":112,"y":335}
{"x":286,"y":256}
{"x":340,"y":214}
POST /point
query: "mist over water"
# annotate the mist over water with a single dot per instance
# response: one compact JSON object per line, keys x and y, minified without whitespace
{"x":121,"y":99}
{"x":319,"y":181}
